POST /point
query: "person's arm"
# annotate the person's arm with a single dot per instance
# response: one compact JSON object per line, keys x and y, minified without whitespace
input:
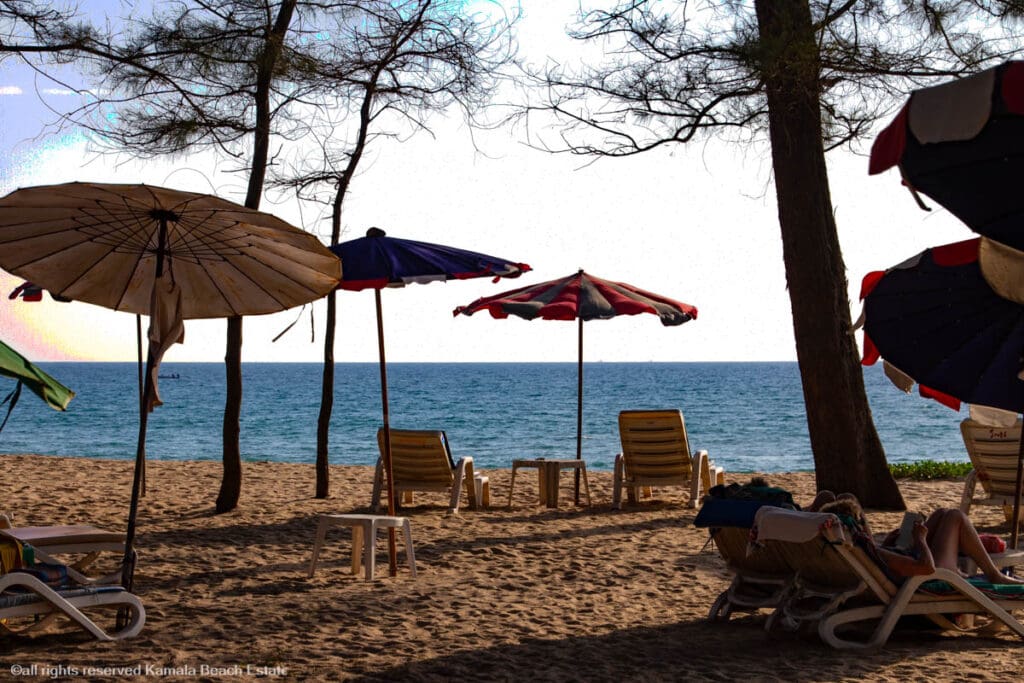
{"x":904,"y":565}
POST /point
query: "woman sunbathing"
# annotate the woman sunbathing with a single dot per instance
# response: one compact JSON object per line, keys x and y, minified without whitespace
{"x":946,"y":534}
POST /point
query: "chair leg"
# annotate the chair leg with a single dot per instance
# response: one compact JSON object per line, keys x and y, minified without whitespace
{"x":968,"y":495}
{"x":357,"y":548}
{"x":619,"y":473}
{"x":370,"y":550}
{"x":700,"y":473}
{"x":409,"y":552}
{"x":586,"y":485}
{"x":469,"y":476}
{"x":483,"y":491}
{"x":321,"y":533}
{"x":460,"y":476}
{"x":378,"y":485}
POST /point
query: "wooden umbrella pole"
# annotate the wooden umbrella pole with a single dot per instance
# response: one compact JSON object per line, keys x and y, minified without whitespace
{"x":579,"y":412}
{"x":1020,"y":488}
{"x":388,"y":472}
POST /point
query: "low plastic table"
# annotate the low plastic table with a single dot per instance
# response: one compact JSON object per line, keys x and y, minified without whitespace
{"x":364,"y":539}
{"x":547,"y":477}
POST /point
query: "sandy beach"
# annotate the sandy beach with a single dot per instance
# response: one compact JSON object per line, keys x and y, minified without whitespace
{"x":521,"y":594}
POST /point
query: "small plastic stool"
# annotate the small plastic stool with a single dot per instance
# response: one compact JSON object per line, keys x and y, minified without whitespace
{"x":364,"y":539}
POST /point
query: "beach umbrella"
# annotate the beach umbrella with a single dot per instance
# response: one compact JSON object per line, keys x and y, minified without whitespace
{"x":951,"y":319}
{"x":580,"y":297}
{"x":961,"y":143}
{"x":377,"y":261}
{"x":164,"y":253}
{"x":25,"y":373}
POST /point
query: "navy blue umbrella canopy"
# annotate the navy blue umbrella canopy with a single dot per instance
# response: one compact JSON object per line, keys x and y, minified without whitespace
{"x":377,"y":261}
{"x":952,"y":320}
{"x":936,"y":318}
{"x":961,"y":143}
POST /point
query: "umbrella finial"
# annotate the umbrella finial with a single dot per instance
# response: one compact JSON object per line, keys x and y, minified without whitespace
{"x":375,"y":232}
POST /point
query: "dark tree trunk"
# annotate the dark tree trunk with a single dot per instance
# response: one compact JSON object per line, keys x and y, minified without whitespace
{"x":231,"y":483}
{"x":848,"y":454}
{"x":323,"y":425}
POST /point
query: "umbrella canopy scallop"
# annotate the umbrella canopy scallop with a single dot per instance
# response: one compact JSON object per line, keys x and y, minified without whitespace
{"x":100,"y":243}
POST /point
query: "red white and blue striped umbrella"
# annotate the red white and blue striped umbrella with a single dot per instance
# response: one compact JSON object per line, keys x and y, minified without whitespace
{"x":962,"y":144}
{"x":581,"y":297}
{"x":952,"y":319}
{"x":377,"y":261}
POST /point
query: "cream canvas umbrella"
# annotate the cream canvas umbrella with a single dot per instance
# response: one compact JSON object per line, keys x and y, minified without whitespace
{"x":164,"y":253}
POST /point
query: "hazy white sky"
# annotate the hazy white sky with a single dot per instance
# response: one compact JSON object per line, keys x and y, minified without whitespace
{"x":698,"y":224}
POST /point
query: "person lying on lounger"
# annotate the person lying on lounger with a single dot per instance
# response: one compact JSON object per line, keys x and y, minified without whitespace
{"x":937,"y":542}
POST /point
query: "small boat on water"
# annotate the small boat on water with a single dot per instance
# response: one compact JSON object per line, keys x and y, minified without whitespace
{"x":172,"y":375}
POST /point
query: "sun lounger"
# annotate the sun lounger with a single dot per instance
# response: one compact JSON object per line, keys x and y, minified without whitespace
{"x":993,"y":451}
{"x":840,"y":585}
{"x":27,"y":604}
{"x":84,"y":542}
{"x":656,"y":452}
{"x":422,"y":461}
{"x":761,"y":578}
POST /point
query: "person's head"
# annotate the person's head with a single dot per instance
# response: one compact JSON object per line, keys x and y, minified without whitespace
{"x":847,"y":509}
{"x":844,"y":506}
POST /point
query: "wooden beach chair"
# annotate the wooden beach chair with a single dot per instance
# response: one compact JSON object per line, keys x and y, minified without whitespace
{"x":422,"y":461}
{"x":839,"y":585}
{"x":656,"y":453}
{"x":993,"y":452}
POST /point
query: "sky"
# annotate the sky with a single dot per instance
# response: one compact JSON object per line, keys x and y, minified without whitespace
{"x":696,"y":223}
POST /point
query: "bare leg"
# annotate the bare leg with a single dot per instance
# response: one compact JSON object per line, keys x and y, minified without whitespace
{"x":950,"y":532}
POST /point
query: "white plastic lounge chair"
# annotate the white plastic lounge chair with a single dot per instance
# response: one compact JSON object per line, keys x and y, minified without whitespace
{"x":845,"y":586}
{"x":422,"y":461}
{"x":761,"y":578}
{"x":656,"y":452}
{"x":993,"y":452}
{"x":24,"y":599}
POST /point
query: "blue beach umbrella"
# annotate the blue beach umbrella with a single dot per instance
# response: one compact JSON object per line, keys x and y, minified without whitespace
{"x":951,"y":319}
{"x":378,"y":261}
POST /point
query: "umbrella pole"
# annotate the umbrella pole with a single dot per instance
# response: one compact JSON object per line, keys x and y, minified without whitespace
{"x":128,"y":563}
{"x":579,"y":412}
{"x":142,"y":389}
{"x":1016,"y":501}
{"x":388,"y":472}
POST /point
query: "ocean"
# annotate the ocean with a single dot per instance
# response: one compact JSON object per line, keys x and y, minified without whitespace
{"x":749,"y":416}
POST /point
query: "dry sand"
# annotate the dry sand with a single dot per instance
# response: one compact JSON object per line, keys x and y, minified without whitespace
{"x":521,"y":594}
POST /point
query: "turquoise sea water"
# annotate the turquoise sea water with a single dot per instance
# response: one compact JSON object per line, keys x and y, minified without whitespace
{"x":749,"y":416}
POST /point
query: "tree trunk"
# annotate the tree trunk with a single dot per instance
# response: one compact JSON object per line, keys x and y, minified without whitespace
{"x":231,"y":483}
{"x":323,"y":424}
{"x":848,"y":454}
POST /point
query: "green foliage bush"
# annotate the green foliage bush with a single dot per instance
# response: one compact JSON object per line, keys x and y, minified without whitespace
{"x":930,"y":469}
